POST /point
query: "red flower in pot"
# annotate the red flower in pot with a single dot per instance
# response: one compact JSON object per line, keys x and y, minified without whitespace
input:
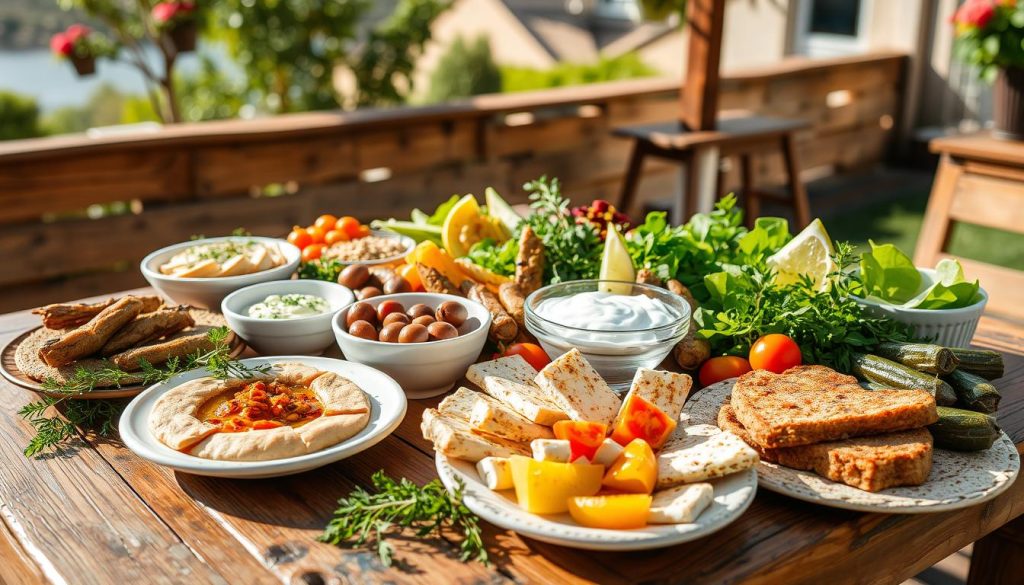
{"x":178,"y":21}
{"x":81,"y":45}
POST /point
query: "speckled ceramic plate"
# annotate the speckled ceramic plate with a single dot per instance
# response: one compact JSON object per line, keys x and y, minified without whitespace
{"x":957,"y":480}
{"x":733,"y":495}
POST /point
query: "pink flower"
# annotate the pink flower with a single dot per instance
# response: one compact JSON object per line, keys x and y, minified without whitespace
{"x":165,"y":11}
{"x":77,"y":31}
{"x":61,"y":44}
{"x":975,"y":13}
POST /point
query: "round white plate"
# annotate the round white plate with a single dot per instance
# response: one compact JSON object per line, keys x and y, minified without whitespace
{"x":387,"y":408}
{"x":957,"y":480}
{"x":733,"y":495}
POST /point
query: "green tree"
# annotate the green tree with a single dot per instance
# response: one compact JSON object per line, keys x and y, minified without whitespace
{"x":19,"y":116}
{"x":465,"y":70}
{"x":289,"y":49}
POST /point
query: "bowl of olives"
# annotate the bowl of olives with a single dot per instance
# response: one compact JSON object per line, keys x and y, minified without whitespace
{"x":425,"y":341}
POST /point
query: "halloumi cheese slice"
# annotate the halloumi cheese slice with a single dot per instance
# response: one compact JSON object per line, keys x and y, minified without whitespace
{"x":681,"y":504}
{"x":459,"y":403}
{"x":204,"y":269}
{"x":666,"y":390}
{"x":492,"y":417}
{"x":700,"y":453}
{"x":238,"y":265}
{"x":496,"y":472}
{"x":453,"y":437}
{"x":557,"y":450}
{"x":510,"y":380}
{"x":608,"y":452}
{"x":575,"y":386}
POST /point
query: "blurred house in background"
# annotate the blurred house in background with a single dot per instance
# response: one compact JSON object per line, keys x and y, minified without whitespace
{"x":940,"y":93}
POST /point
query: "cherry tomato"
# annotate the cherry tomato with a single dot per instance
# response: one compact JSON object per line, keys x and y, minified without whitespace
{"x":387,"y":307}
{"x":300,"y":238}
{"x":412,"y":276}
{"x":584,"y":437}
{"x":361,"y":232}
{"x":334,"y":236}
{"x":312,"y":252}
{"x":326,"y":222}
{"x":721,"y":368}
{"x":349,"y":225}
{"x":775,"y":352}
{"x":316,"y":234}
{"x":531,"y":352}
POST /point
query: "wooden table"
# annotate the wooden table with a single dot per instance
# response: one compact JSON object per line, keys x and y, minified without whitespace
{"x":99,"y":514}
{"x":980,"y":180}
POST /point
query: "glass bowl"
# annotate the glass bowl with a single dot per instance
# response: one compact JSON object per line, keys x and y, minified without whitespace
{"x":615,"y":354}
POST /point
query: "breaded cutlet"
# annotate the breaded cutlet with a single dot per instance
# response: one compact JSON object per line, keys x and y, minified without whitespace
{"x":811,"y":404}
{"x":870,"y":463}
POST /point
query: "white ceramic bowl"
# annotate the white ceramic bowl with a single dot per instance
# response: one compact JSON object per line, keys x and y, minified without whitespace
{"x":207,"y":293}
{"x":423,"y":369}
{"x":304,"y":336}
{"x":947,"y":327}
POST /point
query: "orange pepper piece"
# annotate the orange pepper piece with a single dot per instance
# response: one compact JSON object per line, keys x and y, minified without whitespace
{"x":635,"y":471}
{"x":640,"y":419}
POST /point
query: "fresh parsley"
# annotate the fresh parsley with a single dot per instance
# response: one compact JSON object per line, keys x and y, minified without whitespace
{"x":498,"y":258}
{"x":100,"y":416}
{"x":572,"y":251}
{"x":328,"y":269}
{"x":363,"y":516}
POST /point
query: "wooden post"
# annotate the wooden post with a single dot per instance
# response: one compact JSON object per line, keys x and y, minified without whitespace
{"x":700,"y":86}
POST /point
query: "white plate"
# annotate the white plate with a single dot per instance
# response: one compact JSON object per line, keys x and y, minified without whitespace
{"x":957,"y":480}
{"x":387,"y":408}
{"x":733,"y":495}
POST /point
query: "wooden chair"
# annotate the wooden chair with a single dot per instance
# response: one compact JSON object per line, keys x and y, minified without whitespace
{"x":980,"y":180}
{"x":742,"y":138}
{"x":700,"y":132}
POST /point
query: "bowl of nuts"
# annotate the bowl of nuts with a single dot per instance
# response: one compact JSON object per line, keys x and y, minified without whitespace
{"x":425,"y":341}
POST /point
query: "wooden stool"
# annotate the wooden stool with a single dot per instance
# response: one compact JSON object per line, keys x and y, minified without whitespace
{"x":741,"y":137}
{"x":980,"y":180}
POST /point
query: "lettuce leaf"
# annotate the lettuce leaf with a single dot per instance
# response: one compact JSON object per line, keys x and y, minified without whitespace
{"x":887,"y":274}
{"x":950,"y":291}
{"x":436,"y":218}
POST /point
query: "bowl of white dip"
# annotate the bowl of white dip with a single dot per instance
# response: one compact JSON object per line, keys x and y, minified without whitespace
{"x":618,"y":326}
{"x":286,"y":317}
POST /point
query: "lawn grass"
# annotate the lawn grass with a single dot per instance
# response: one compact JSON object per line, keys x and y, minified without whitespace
{"x":898,"y":221}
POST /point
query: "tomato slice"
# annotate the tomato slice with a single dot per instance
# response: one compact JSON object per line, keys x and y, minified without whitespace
{"x":584,"y":437}
{"x":640,"y":419}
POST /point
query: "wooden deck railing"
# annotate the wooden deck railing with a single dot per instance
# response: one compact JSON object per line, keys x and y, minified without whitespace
{"x":212,"y":177}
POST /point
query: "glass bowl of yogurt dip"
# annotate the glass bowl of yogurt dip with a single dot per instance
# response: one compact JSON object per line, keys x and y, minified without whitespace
{"x":619,"y":326}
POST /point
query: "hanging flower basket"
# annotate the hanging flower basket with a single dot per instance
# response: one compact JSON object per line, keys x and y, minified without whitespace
{"x":83,"y":65}
{"x":81,"y":46}
{"x":988,"y":36}
{"x":178,"y":21}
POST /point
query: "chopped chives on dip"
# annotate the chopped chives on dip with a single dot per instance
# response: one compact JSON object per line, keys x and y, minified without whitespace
{"x":289,"y":306}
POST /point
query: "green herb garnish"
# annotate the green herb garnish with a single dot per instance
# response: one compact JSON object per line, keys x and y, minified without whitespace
{"x":328,"y":269}
{"x":363,"y":516}
{"x":572,"y":251}
{"x":100,"y":416}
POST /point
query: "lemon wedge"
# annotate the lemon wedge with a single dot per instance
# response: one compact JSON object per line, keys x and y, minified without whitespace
{"x":616,"y":264}
{"x":466,"y":225}
{"x":810,"y":253}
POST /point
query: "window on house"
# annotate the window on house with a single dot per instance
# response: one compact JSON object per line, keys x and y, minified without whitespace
{"x":831,"y":27}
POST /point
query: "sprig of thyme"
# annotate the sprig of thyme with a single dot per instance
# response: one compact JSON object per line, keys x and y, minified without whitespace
{"x":363,"y":516}
{"x":100,"y":416}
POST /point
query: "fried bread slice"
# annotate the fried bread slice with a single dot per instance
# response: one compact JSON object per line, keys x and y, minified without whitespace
{"x":813,"y":404}
{"x":872,"y":463}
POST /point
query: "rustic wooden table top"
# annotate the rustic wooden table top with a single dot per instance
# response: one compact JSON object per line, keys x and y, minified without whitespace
{"x":99,"y":514}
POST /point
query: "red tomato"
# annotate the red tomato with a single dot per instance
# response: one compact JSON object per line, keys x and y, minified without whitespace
{"x":326,"y":222}
{"x":316,"y":234}
{"x":775,"y":352}
{"x":640,"y":419}
{"x":387,"y":307}
{"x":334,"y":236}
{"x":721,"y":368}
{"x":349,"y":225}
{"x":362,"y":232}
{"x":584,"y":437}
{"x":531,"y":352}
{"x":300,"y":238}
{"x":312,"y":252}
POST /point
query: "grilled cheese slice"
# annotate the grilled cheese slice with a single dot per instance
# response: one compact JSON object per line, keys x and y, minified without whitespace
{"x":575,"y":386}
{"x":681,"y":504}
{"x":496,"y":472}
{"x":452,"y":436}
{"x":700,"y":453}
{"x":510,"y":381}
{"x":557,"y":450}
{"x":491,"y":417}
{"x":666,"y":390}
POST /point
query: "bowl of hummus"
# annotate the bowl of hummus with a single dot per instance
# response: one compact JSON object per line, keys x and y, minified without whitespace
{"x":202,"y":272}
{"x":286,"y":317}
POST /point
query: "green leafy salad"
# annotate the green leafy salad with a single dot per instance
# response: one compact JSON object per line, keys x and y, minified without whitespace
{"x":729,"y":270}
